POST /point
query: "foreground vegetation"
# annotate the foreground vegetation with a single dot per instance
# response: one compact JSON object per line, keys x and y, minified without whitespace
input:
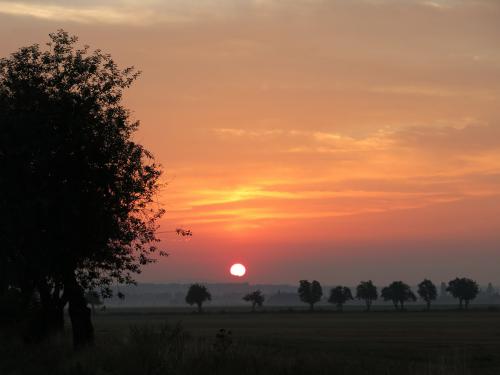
{"x":166,"y":341}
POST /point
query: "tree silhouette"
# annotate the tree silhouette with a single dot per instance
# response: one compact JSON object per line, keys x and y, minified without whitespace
{"x":464,"y":289}
{"x":310,"y":292}
{"x":367,"y":292}
{"x":256,"y":298}
{"x":198,"y":294}
{"x":398,"y":292}
{"x":340,"y":295}
{"x":427,"y":291}
{"x":75,"y":189}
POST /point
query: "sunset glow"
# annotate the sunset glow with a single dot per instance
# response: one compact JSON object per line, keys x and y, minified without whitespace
{"x":325,"y":139}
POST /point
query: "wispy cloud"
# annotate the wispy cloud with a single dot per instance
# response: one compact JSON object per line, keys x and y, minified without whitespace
{"x":128,"y":13}
{"x":392,"y":168}
{"x":435,"y":91}
{"x":249,"y":133}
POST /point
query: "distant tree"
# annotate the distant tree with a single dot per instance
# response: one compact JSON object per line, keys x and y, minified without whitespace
{"x":198,"y":294}
{"x":340,"y":295}
{"x":398,"y":292}
{"x":76,"y":190}
{"x":256,"y":298}
{"x":464,"y":289}
{"x":367,"y":292}
{"x":93,"y":298}
{"x":310,"y":292}
{"x":427,"y":291}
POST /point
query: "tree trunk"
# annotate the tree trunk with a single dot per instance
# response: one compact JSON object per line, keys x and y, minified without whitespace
{"x":253,"y":307}
{"x":54,"y":317}
{"x":461,"y":303}
{"x":200,"y":309}
{"x":368,"y":305}
{"x":80,"y":315}
{"x":311,"y":307}
{"x":340,"y":307}
{"x":59,"y":303}
{"x":428,"y":305}
{"x":49,"y":317}
{"x":466,"y":304}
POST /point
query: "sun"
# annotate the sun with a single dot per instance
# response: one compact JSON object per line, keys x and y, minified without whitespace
{"x":238,"y":270}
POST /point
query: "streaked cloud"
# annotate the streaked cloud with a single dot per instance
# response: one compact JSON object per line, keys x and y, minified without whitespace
{"x":436,"y":91}
{"x":105,"y":13}
{"x":393,"y":168}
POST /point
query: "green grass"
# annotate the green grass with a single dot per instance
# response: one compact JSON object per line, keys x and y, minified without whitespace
{"x":274,"y":342}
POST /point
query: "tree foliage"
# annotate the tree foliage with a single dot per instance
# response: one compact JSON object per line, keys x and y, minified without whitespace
{"x":339,"y":296}
{"x":398,"y":292}
{"x":427,"y":291}
{"x":198,"y":294}
{"x":76,"y":190}
{"x":256,"y":298}
{"x":367,"y":292}
{"x":310,"y":292}
{"x":464,"y":289}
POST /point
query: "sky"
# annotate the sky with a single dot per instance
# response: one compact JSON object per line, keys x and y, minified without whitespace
{"x":308,"y":139}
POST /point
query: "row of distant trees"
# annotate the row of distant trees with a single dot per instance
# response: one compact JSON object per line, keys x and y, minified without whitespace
{"x":198,"y":294}
{"x":399,"y":293}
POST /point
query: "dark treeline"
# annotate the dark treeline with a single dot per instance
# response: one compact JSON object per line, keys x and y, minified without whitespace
{"x":463,"y":290}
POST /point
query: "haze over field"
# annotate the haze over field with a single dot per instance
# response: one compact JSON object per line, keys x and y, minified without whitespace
{"x":336,"y":140}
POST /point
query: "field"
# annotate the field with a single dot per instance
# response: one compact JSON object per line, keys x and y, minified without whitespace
{"x":280,"y":342}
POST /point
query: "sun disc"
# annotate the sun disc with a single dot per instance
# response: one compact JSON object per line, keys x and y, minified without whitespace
{"x":238,"y":270}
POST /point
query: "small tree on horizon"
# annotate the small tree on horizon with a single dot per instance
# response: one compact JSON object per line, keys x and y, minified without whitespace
{"x":398,"y":292}
{"x":256,"y":298}
{"x":340,"y":295}
{"x":310,"y":292}
{"x":198,"y":294}
{"x":367,"y":292}
{"x":464,"y":289}
{"x":427,"y":291}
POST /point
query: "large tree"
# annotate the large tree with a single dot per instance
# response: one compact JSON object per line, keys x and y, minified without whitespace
{"x":197,"y":295}
{"x":75,"y":189}
{"x":464,"y":289}
{"x":398,"y":292}
{"x":427,"y":291}
{"x":310,"y":292}
{"x":367,"y":292}
{"x":340,"y":295}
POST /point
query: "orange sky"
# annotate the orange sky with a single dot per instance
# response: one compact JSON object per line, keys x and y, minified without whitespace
{"x":337,"y":140}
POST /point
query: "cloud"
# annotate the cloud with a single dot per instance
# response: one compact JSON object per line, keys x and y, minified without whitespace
{"x":145,"y":12}
{"x":248,"y":133}
{"x":449,"y":137}
{"x":128,"y":13}
{"x":337,"y":174}
{"x":434,"y":91}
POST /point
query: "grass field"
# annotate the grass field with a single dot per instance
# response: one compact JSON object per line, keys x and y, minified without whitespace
{"x":282,"y":342}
